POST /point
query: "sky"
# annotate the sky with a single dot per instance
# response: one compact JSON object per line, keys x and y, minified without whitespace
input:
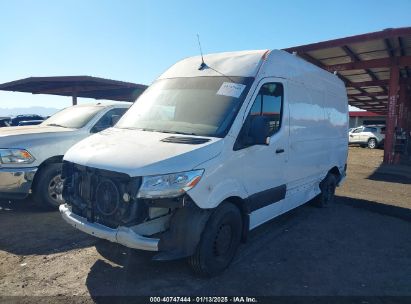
{"x":135,"y":41}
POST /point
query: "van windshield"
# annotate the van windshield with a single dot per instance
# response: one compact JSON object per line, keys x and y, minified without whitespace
{"x":203,"y":106}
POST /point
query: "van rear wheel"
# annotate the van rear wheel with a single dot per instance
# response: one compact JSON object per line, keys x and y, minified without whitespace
{"x":219,"y":241}
{"x":327,"y":195}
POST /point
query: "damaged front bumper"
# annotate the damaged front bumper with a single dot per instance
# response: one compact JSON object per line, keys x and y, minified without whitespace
{"x":122,"y":235}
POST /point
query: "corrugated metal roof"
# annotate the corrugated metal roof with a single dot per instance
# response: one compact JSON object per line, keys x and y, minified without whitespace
{"x":81,"y":86}
{"x":362,"y":62}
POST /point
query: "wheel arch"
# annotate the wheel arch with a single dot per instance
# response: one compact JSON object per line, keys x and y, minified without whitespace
{"x":334,"y":170}
{"x":242,"y":206}
{"x":51,"y":160}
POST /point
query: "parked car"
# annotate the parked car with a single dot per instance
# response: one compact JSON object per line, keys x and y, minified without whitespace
{"x":371,"y":136}
{"x":208,"y":152}
{"x":4,"y":122}
{"x":30,"y":122}
{"x":15,"y":121}
{"x":31,"y":156}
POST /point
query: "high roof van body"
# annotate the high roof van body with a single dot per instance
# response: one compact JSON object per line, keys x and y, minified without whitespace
{"x":210,"y":151}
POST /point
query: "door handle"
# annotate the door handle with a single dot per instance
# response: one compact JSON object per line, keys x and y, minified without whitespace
{"x":279,"y":151}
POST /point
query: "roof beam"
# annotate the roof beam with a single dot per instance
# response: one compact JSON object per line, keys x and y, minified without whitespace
{"x":313,"y":60}
{"x":389,"y":47}
{"x":349,"y":83}
{"x":375,"y":83}
{"x":77,"y":89}
{"x":402,"y":53}
{"x":372,"y":83}
{"x":373,"y":63}
{"x":366,"y":94}
{"x":380,"y":101}
{"x":318,"y":63}
{"x":354,"y":57}
{"x":387,"y":33}
{"x":351,"y":54}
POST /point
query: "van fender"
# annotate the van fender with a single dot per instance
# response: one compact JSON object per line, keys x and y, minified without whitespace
{"x":210,"y":196}
{"x":188,"y":222}
{"x":182,"y":238}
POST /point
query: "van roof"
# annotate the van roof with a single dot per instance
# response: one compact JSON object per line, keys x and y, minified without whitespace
{"x":248,"y":64}
{"x":243,"y":63}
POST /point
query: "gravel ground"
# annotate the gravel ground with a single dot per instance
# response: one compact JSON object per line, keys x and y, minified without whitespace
{"x":360,"y":246}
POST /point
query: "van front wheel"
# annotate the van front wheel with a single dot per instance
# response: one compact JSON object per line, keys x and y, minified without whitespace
{"x":219,"y":241}
{"x":327,"y":187}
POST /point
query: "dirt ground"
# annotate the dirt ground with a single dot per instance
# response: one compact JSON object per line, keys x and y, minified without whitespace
{"x":360,"y":246}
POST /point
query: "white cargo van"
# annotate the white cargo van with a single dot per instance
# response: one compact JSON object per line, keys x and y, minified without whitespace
{"x":209,"y":152}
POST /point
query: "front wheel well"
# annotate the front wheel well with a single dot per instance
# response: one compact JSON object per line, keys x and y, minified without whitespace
{"x":52,"y":160}
{"x":241,"y":204}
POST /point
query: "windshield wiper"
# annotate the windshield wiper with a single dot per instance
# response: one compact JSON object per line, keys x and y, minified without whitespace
{"x":174,"y":132}
{"x":56,"y":125}
{"x":161,"y":131}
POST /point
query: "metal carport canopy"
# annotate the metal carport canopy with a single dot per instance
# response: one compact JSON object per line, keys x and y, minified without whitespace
{"x":77,"y":86}
{"x":375,"y":68}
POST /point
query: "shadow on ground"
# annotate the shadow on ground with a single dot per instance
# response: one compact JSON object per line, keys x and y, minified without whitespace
{"x":392,"y":173}
{"x":26,"y":230}
{"x":351,"y":248}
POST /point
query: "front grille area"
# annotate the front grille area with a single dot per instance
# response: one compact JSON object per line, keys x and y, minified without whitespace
{"x":98,"y":195}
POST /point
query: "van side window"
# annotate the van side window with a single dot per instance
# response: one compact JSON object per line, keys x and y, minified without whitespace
{"x":268,"y":103}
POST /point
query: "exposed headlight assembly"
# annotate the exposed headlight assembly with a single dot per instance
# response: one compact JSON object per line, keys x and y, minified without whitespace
{"x":15,"y":156}
{"x":169,"y":185}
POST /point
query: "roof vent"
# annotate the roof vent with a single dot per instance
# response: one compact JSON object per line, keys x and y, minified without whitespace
{"x":185,"y":140}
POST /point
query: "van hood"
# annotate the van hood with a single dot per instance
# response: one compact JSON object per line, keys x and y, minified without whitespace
{"x":142,"y":153}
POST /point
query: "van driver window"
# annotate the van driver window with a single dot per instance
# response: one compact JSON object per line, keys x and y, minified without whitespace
{"x":268,"y":103}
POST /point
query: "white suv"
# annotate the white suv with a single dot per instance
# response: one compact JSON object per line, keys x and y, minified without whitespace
{"x":371,"y":136}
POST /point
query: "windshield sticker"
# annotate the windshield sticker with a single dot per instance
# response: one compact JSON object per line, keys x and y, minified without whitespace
{"x":231,"y":89}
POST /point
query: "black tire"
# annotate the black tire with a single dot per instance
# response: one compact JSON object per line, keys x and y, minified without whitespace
{"x":219,"y":241}
{"x":372,"y":143}
{"x":327,"y":187}
{"x":46,"y":178}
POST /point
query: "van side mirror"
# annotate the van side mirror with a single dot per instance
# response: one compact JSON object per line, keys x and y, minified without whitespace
{"x":259,"y":130}
{"x":115,"y":119}
{"x":255,"y":131}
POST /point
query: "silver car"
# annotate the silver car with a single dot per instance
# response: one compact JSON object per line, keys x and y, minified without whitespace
{"x":371,"y":136}
{"x":31,"y":156}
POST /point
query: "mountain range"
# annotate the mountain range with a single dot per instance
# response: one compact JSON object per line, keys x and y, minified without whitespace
{"x":43,"y":111}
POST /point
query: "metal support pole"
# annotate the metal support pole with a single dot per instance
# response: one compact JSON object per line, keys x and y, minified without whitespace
{"x":408,"y":110}
{"x":402,"y":115}
{"x":391,"y":116}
